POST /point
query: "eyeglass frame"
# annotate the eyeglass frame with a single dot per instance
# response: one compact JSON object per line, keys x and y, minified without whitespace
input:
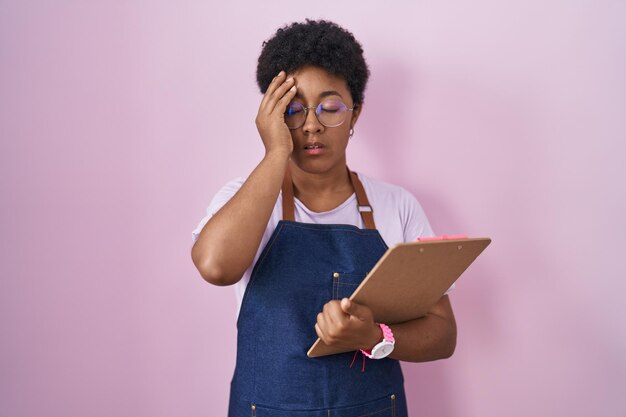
{"x":306,"y":114}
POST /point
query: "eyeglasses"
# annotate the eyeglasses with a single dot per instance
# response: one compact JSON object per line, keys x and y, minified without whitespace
{"x":330,"y":113}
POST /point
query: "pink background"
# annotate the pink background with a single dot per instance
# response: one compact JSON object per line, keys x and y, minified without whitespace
{"x":120,"y":120}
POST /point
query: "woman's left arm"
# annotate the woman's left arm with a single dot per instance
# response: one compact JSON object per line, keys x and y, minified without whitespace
{"x":428,"y":338}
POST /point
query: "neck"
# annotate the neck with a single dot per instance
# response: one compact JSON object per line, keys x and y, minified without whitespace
{"x":332,"y":181}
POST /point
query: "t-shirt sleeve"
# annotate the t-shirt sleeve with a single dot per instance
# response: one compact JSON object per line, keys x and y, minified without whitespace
{"x":416,"y":223}
{"x":219,"y":200}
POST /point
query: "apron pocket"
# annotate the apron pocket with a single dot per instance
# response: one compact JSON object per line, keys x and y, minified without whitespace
{"x":344,"y":283}
{"x":382,"y":407}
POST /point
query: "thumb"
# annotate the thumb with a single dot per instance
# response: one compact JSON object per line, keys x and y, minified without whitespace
{"x":353,"y":309}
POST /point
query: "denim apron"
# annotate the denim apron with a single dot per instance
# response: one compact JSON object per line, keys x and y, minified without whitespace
{"x":302,"y":267}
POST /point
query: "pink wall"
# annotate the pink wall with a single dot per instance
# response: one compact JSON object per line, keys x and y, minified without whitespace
{"x":117,"y":126}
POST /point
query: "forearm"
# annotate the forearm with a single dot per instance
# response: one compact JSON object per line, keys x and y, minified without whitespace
{"x":229,"y":241}
{"x":425,"y":339}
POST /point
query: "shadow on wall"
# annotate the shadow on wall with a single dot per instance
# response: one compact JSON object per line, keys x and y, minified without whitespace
{"x":387,"y":116}
{"x":496,"y":125}
{"x":433,"y":387}
{"x":428,"y":390}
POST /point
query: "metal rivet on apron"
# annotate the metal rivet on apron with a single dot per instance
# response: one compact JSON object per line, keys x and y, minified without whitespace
{"x":253,"y":407}
{"x":335,"y":274}
{"x":460,"y":247}
{"x":421,"y":249}
{"x":393,"y":396}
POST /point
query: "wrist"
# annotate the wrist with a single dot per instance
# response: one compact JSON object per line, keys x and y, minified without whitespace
{"x":374,"y":337}
{"x":383,"y":348}
{"x":282,"y":154}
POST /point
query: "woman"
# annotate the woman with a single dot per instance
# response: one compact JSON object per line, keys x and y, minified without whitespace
{"x":298,"y":235}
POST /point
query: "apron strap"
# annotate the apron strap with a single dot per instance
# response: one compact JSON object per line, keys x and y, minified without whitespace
{"x":288,"y":206}
{"x":363,"y":204}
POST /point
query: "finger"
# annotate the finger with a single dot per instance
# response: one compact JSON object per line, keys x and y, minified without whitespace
{"x":284,"y":92}
{"x":353,"y":309}
{"x":270,"y":89}
{"x":335,"y":315}
{"x":321,"y":320}
{"x":276,"y":81}
{"x":282,"y":104}
{"x":320,"y":330}
{"x":329,"y":305}
{"x":326,"y":327}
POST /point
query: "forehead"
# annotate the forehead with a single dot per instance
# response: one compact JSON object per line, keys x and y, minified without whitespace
{"x":315,"y":82}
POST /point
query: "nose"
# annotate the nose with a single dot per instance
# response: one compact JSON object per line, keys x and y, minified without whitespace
{"x":311,"y":124}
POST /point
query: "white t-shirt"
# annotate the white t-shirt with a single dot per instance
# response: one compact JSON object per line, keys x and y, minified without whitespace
{"x":398,"y":216}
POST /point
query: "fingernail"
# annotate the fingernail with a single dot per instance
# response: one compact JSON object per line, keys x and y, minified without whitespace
{"x":289,"y":80}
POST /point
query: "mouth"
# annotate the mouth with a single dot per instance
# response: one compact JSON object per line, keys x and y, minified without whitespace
{"x":314,"y":148}
{"x":315,"y":145}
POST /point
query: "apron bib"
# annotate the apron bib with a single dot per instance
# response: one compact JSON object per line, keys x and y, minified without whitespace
{"x":301,"y":268}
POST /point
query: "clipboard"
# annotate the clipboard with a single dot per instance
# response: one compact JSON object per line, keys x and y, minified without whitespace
{"x":409,"y":279}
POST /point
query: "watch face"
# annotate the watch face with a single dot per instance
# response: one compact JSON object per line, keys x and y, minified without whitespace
{"x":382,"y":350}
{"x":386,"y":350}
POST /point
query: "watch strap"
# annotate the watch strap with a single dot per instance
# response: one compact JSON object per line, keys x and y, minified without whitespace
{"x":387,"y":339}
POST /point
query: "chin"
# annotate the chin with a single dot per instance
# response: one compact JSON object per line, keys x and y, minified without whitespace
{"x":315,"y":166}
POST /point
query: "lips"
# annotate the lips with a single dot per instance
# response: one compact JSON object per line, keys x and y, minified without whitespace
{"x":314,"y":148}
{"x":314,"y":145}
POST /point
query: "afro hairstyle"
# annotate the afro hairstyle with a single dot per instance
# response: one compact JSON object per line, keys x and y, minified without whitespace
{"x":318,"y":43}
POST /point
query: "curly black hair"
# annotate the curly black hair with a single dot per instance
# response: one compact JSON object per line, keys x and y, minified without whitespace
{"x":319,"y":43}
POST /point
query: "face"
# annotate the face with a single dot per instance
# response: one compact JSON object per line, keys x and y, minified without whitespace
{"x":318,"y":148}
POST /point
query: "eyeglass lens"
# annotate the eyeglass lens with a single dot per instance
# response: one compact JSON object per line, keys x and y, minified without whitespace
{"x":330,"y":113}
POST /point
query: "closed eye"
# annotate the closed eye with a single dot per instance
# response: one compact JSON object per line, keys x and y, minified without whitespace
{"x":293,"y":110}
{"x":332,"y":108}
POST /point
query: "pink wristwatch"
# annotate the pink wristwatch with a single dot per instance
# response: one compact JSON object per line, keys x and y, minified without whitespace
{"x":384,"y":348}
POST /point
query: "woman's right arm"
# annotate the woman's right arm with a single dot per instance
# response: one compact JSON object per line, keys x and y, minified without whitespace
{"x":229,"y":241}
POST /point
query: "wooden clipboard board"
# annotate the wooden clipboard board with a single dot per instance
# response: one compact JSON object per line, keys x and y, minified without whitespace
{"x":409,"y":279}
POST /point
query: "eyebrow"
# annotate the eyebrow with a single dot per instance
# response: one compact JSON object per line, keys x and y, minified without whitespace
{"x":323,"y":94}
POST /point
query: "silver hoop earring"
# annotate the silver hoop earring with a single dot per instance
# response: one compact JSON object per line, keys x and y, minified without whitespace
{"x":351,"y":133}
